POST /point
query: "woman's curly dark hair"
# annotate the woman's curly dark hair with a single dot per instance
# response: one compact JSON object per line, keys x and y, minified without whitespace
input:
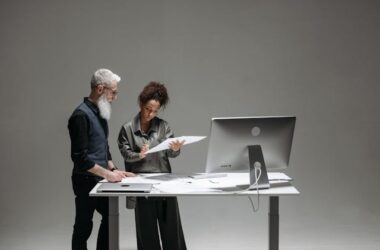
{"x":154,"y":91}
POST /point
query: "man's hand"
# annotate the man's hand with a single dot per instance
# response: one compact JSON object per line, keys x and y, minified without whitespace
{"x":124,"y":173}
{"x":111,"y":176}
{"x":117,"y":175}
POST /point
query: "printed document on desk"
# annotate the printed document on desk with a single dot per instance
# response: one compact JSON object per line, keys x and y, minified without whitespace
{"x":182,"y":183}
{"x":153,"y":178}
{"x":165,"y":144}
{"x":278,"y":176}
{"x":190,"y":185}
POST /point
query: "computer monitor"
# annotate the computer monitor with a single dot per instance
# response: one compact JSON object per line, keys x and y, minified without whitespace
{"x":270,"y":138}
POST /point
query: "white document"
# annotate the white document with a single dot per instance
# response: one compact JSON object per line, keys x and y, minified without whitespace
{"x":182,"y":187}
{"x":181,"y":183}
{"x":278,"y":176}
{"x":139,"y":179}
{"x":165,"y":144}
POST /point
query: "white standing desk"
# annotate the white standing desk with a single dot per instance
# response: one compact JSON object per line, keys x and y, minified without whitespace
{"x":176,"y":185}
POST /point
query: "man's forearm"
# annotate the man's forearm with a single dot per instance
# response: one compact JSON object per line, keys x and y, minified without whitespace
{"x":99,"y":171}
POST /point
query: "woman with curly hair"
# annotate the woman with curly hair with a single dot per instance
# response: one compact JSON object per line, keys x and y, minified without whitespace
{"x":145,"y":131}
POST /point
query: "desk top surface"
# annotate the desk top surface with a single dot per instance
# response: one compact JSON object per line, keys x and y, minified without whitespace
{"x":183,"y":185}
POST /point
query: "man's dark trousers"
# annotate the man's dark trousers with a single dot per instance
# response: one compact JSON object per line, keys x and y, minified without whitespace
{"x":84,"y":211}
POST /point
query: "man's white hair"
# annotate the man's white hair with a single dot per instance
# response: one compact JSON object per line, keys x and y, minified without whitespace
{"x":104,"y":76}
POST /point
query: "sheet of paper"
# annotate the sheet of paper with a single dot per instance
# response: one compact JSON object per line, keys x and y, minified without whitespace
{"x":183,"y":186}
{"x":139,"y":179}
{"x":278,"y":176}
{"x":165,"y":144}
{"x":170,"y":183}
{"x":230,"y":183}
{"x":182,"y":183}
{"x":154,"y":178}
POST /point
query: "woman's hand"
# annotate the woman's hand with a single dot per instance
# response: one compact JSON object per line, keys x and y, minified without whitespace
{"x":144,"y":148}
{"x":176,"y":145}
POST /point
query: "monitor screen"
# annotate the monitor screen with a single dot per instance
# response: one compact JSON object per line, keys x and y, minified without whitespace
{"x":231,"y":136}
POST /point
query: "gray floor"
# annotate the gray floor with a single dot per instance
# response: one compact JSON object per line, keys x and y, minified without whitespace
{"x":204,"y":232}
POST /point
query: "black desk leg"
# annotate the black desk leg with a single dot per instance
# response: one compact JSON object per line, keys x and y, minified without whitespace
{"x":113,"y":223}
{"x":273,"y":218}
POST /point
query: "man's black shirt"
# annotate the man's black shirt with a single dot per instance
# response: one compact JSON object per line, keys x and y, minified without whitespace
{"x":78,"y":128}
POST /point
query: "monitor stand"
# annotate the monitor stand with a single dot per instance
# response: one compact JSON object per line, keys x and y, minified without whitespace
{"x":256,"y":158}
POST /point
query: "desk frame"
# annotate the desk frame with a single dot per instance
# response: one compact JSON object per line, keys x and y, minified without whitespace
{"x":273,"y":213}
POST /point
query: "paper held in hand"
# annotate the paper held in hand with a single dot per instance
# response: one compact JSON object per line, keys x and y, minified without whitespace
{"x":165,"y":144}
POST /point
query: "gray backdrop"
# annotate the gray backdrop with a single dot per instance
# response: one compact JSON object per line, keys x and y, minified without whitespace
{"x":318,"y":60}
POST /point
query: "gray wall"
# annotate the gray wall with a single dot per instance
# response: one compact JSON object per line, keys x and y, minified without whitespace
{"x":318,"y":60}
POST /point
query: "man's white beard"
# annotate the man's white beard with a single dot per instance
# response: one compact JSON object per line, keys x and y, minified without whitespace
{"x":104,"y":107}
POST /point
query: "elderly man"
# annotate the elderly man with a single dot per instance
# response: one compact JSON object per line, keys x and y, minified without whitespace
{"x":91,"y":156}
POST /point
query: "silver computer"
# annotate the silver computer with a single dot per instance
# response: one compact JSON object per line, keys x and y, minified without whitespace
{"x":267,"y":140}
{"x":125,"y":187}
